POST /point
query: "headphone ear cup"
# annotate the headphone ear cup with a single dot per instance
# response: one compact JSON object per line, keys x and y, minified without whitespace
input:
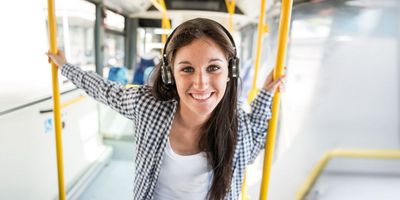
{"x":169,"y":76}
{"x":234,"y":64}
{"x":166,"y":75}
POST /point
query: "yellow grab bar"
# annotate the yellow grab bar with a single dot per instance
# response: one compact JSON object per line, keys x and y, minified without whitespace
{"x":160,"y":5}
{"x":360,"y":153}
{"x":65,"y":104}
{"x":230,"y":6}
{"x":131,"y":86}
{"x":261,"y":31}
{"x":254,"y":91}
{"x":72,"y":101}
{"x":56,"y":99}
{"x":284,"y":23}
{"x":165,"y":23}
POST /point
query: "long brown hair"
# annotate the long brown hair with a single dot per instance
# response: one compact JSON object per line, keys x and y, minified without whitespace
{"x":219,"y":131}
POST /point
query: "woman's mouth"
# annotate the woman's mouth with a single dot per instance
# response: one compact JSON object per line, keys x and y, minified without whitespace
{"x":201,"y":96}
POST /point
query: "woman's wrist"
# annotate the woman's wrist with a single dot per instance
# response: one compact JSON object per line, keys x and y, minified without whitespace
{"x":61,"y":67}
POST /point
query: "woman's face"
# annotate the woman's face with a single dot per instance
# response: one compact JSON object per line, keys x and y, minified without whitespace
{"x":201,"y":74}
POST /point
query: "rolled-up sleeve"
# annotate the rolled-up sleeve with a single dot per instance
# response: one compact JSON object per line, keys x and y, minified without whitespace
{"x":258,"y":117}
{"x":113,"y":94}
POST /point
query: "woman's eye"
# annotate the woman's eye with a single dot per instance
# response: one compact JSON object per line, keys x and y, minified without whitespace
{"x":213,"y":68}
{"x":188,"y":69}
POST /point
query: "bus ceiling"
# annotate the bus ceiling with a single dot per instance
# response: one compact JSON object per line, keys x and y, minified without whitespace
{"x":136,"y":8}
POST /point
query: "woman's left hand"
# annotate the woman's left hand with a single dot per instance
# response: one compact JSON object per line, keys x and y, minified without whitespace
{"x":271,"y":85}
{"x":58,"y":58}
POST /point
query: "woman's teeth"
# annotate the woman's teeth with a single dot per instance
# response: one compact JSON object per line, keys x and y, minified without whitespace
{"x":201,"y":96}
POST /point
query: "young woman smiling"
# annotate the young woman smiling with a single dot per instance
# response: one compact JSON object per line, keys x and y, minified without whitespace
{"x":192,"y":140}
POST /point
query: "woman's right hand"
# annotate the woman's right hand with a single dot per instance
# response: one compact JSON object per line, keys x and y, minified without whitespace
{"x":59,"y":58}
{"x":271,"y":85}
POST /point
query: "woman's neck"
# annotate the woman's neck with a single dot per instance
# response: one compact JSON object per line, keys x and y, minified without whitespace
{"x":186,"y":132}
{"x":190,"y":120}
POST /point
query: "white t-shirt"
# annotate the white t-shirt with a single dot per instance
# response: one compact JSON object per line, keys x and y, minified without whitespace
{"x":183,"y":177}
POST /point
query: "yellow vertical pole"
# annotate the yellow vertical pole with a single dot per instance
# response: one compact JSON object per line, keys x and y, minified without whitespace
{"x":253,"y":91}
{"x":56,"y":99}
{"x":230,"y":6}
{"x":261,"y":28}
{"x":284,"y":23}
{"x":165,"y":23}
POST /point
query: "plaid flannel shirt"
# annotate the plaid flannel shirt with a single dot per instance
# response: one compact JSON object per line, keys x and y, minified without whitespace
{"x":153,"y":118}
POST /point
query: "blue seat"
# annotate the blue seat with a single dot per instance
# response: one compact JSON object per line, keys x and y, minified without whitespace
{"x":139,"y":76}
{"x":118,"y":74}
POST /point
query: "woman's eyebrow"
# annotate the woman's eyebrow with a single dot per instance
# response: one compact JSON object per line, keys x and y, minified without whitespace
{"x":211,"y":60}
{"x":215,"y":59}
{"x":184,"y":62}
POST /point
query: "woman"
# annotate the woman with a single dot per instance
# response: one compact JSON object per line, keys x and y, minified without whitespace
{"x":192,"y":141}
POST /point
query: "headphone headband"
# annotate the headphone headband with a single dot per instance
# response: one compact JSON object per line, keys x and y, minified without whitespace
{"x":220,"y":25}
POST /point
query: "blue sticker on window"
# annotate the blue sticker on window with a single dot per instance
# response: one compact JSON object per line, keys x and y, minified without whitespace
{"x":48,"y":125}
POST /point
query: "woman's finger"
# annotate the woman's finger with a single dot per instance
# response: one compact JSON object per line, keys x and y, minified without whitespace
{"x":52,"y":57}
{"x":272,"y":87}
{"x":60,"y":53}
{"x":278,"y":81}
{"x":269,"y":77}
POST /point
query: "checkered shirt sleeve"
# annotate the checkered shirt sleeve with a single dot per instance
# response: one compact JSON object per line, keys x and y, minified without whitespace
{"x":252,"y":131}
{"x":115,"y":95}
{"x":259,"y":116}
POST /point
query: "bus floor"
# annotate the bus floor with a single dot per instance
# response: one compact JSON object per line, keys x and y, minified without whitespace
{"x":358,"y":179}
{"x":115,"y":180}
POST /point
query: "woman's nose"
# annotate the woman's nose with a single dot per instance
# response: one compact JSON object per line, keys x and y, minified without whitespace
{"x":201,"y":80}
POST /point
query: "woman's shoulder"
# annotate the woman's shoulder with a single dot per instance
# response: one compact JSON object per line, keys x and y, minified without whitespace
{"x":146,"y":92}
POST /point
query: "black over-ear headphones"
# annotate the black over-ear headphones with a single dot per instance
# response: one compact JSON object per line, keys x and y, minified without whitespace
{"x":166,"y":72}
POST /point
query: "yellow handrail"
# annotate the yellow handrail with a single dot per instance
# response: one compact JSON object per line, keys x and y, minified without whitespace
{"x":56,"y":99}
{"x":72,"y":101}
{"x":165,"y":23}
{"x":355,"y":153}
{"x":230,"y":6}
{"x":284,"y":23}
{"x":253,"y":92}
{"x":127,"y":86}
